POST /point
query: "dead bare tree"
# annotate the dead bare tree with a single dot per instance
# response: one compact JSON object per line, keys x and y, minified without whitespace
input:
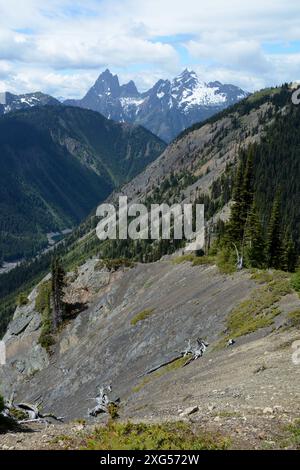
{"x":32,"y":412}
{"x":239,"y":258}
{"x":102,"y":401}
{"x":194,"y":351}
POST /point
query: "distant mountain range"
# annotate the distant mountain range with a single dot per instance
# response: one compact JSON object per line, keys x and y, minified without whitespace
{"x":58,"y":163}
{"x":168,"y":108}
{"x":10,"y":102}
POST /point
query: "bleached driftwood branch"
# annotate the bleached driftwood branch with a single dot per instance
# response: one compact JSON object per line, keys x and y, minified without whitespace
{"x":102,"y":401}
{"x":194,"y":351}
{"x":33,"y":413}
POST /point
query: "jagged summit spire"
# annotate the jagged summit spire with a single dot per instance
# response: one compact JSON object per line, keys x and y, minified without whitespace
{"x":187,"y":73}
{"x":107,"y":83}
{"x":167,"y":108}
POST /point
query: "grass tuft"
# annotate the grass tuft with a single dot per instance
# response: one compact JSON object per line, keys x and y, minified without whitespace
{"x":294,"y":318}
{"x":260,"y":309}
{"x":167,"y":436}
{"x":177,"y":364}
{"x":142,"y":316}
{"x":195,"y":260}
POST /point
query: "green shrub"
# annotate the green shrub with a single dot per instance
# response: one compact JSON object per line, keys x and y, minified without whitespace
{"x":226,"y":261}
{"x":142,"y":316}
{"x":166,"y":436}
{"x":260,"y":309}
{"x":204,"y":260}
{"x":295,"y":281}
{"x":113,"y":410}
{"x":18,"y":414}
{"x":183,"y":259}
{"x":22,"y":299}
{"x":261,"y":277}
{"x":46,"y":339}
{"x":175,"y":365}
{"x":195,"y":260}
{"x":113,"y":264}
{"x":293,"y":435}
{"x":43,"y":298}
{"x":294,"y":318}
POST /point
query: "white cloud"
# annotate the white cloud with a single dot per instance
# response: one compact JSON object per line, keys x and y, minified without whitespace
{"x":60,"y":46}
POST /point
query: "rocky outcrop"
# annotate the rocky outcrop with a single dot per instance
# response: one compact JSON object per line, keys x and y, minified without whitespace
{"x":103,"y":345}
{"x":24,"y":354}
{"x":138,"y":319}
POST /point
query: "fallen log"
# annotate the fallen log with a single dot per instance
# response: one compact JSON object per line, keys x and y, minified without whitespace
{"x":32,"y":412}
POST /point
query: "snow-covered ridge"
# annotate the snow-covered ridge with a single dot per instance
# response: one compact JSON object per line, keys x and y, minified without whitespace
{"x":167,"y":108}
{"x":184,"y":91}
{"x":10,"y":102}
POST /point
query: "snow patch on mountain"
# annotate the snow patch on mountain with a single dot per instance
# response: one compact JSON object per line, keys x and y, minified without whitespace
{"x":168,"y":108}
{"x":10,"y":102}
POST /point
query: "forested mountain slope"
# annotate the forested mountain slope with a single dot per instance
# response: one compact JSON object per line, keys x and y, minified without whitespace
{"x":57,"y":164}
{"x":102,"y":317}
{"x":200,"y":166}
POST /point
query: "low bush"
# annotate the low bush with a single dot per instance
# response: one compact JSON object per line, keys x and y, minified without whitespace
{"x":166,"y":436}
{"x":295,"y":281}
{"x":113,"y":264}
{"x":142,"y":316}
{"x":22,"y":299}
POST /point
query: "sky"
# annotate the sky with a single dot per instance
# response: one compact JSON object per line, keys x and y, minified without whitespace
{"x":61,"y":46}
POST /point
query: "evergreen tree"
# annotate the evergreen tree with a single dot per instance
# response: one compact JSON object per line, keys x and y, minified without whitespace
{"x":254,"y":240}
{"x":235,"y":225}
{"x":58,"y":276}
{"x":275,"y":255}
{"x":247,"y":185}
{"x":243,"y":198}
{"x":289,"y":253}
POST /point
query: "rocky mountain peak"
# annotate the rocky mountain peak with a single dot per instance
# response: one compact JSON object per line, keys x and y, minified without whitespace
{"x":107,"y":84}
{"x":167,"y":108}
{"x":129,"y":89}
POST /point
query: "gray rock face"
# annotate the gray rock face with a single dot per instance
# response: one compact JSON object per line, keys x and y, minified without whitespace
{"x":104,"y":346}
{"x":25,"y":357}
{"x":167,"y":108}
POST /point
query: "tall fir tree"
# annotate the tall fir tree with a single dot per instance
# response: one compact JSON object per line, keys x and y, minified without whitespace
{"x":58,"y":282}
{"x":235,"y":225}
{"x":275,"y":254}
{"x":243,"y":198}
{"x":289,"y":253}
{"x":254,"y":240}
{"x":247,"y":184}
